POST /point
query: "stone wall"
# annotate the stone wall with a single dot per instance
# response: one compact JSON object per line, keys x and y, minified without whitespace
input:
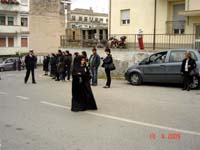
{"x":122,"y":59}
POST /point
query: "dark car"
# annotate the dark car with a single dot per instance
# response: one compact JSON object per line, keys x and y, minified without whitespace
{"x":162,"y":67}
{"x":10,"y":64}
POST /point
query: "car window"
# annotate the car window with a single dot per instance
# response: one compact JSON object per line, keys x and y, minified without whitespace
{"x":144,"y":62}
{"x":9,"y":61}
{"x":158,"y":58}
{"x":178,"y":56}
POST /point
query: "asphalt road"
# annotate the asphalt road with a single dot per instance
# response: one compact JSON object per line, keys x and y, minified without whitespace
{"x":148,"y":117}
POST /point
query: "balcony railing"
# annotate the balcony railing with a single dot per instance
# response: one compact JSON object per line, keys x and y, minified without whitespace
{"x":9,"y":7}
{"x":14,"y":2}
{"x":13,"y":29}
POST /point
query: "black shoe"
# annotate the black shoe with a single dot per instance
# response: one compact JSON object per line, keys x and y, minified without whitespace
{"x":106,"y":87}
{"x":183,"y":89}
{"x":188,"y":89}
{"x":34,"y":82}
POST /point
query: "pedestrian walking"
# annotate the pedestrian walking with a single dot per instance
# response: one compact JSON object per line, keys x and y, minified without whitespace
{"x":188,"y":65}
{"x":109,"y":66}
{"x":94,"y":62}
{"x":82,"y":96}
{"x":30,"y":60}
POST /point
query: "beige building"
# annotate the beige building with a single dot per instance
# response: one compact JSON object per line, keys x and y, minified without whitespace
{"x":176,"y":17}
{"x":46,"y":25}
{"x":84,"y":26}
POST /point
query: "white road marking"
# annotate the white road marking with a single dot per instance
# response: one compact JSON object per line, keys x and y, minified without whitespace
{"x":23,"y":98}
{"x":3,"y":93}
{"x":130,"y":121}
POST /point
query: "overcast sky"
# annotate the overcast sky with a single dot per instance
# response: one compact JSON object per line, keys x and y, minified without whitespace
{"x":97,"y":5}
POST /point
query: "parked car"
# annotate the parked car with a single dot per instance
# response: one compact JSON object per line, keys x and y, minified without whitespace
{"x":9,"y":64}
{"x":162,"y":67}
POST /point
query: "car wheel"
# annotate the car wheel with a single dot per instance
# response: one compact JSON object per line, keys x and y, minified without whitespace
{"x":135,"y":79}
{"x":195,"y":82}
{"x":2,"y":69}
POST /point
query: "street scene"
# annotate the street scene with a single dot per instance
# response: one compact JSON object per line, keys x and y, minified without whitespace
{"x":99,"y":75}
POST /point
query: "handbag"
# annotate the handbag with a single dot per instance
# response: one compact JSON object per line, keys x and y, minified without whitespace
{"x":112,"y":67}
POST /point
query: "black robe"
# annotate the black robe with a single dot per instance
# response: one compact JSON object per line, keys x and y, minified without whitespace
{"x":82,"y":96}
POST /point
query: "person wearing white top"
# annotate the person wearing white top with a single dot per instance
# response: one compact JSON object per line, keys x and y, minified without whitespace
{"x":188,"y":65}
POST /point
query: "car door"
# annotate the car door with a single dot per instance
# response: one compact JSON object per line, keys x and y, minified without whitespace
{"x":9,"y":64}
{"x":173,"y":66}
{"x":155,"y":69}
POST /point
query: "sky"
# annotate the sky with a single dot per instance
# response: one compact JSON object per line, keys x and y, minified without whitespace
{"x":97,"y":5}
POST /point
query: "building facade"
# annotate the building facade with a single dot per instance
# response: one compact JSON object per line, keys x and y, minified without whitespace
{"x":14,"y":26}
{"x":47,"y":23}
{"x":176,"y":17}
{"x":85,"y":24}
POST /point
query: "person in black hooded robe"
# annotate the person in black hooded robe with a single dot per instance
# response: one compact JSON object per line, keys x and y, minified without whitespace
{"x":82,"y":96}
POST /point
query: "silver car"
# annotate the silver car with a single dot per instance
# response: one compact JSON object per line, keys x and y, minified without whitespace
{"x":162,"y":67}
{"x":9,"y":64}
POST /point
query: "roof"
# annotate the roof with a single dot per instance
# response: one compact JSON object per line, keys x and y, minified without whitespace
{"x":87,"y":12}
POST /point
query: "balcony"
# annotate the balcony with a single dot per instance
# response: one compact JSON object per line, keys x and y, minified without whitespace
{"x":13,"y":50}
{"x":9,"y":6}
{"x":13,"y":29}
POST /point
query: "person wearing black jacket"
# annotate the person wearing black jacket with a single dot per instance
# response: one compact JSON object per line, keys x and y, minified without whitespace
{"x":59,"y":60}
{"x":53,"y":66}
{"x":187,"y":66}
{"x":30,"y":61}
{"x":106,"y":64}
{"x":68,"y":62}
{"x":94,"y":62}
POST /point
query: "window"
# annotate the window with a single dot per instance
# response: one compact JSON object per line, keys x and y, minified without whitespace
{"x":158,"y":58}
{"x":2,"y":42}
{"x":101,"y":20}
{"x":73,"y":18}
{"x":178,"y":20}
{"x":179,"y":56}
{"x":10,"y":42}
{"x":24,"y":2}
{"x":10,"y":21}
{"x":24,"y":42}
{"x":24,"y":22}
{"x":73,"y":26}
{"x":125,"y":16}
{"x":80,"y":18}
{"x":2,"y":20}
{"x":96,"y":19}
{"x":86,"y":19}
{"x":106,"y":20}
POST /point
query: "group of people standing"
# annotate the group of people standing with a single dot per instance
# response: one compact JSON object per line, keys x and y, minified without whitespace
{"x":59,"y":65}
{"x":84,"y":74}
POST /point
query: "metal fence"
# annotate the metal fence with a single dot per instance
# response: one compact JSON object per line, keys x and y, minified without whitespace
{"x":162,"y":41}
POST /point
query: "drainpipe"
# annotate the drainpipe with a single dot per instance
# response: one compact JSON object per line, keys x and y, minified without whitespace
{"x":155,"y":21}
{"x":110,"y":6}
